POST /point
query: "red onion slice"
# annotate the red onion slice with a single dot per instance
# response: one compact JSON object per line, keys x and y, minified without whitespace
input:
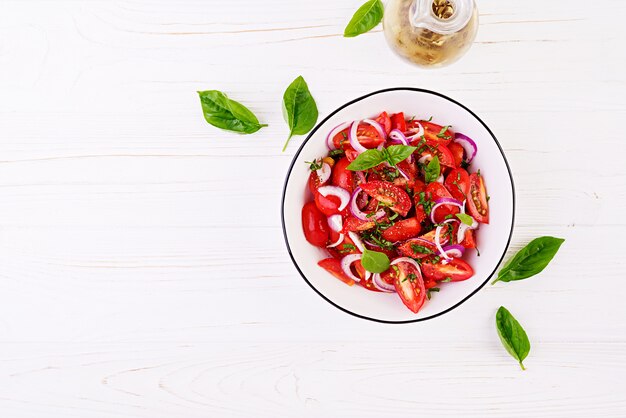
{"x":397,"y":137}
{"x":358,"y":243}
{"x":455,"y":250}
{"x":324,"y":173}
{"x":407,"y":260}
{"x":339,"y":241}
{"x":402,"y":173}
{"x":440,"y":179}
{"x":354,"y":208}
{"x":468,"y":145}
{"x":342,"y":194}
{"x":354,"y":140}
{"x":333,"y":132}
{"x":377,"y":126}
{"x":460,"y":235}
{"x":335,"y":222}
{"x":416,"y":134}
{"x":347,"y":261}
{"x":382,"y":285}
{"x":441,"y":202}
{"x":442,"y":253}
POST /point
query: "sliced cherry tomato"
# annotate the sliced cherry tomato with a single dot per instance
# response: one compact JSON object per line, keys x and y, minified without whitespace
{"x":408,"y":168}
{"x":457,"y":270}
{"x":457,"y":152}
{"x":342,"y":177}
{"x":351,"y":154}
{"x":436,"y":191}
{"x":398,"y":122}
{"x":433,"y":132}
{"x":477,"y":199}
{"x":392,"y":196}
{"x":469,"y":241}
{"x":417,"y":248}
{"x":430,"y":236}
{"x":328,"y":205}
{"x":314,"y":225}
{"x":368,"y":136}
{"x":341,"y":140}
{"x":401,"y":230}
{"x":384,"y":121}
{"x":458,"y":183}
{"x":333,"y":266}
{"x":419,"y":187}
{"x":409,"y":284}
{"x":446,"y":159}
{"x":391,"y":253}
{"x":354,"y":224}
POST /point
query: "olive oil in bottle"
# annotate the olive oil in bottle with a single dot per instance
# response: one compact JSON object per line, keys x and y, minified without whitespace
{"x":431,"y":33}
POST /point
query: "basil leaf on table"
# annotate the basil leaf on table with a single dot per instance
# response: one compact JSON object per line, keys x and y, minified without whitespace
{"x":374,"y":261}
{"x":224,"y":113}
{"x":398,"y":153}
{"x":512,"y":335}
{"x":530,"y":260}
{"x":366,"y":18}
{"x":299,"y":108}
{"x":432,"y":170}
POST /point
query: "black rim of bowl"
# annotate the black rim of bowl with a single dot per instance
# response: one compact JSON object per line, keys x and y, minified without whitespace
{"x":282,"y":208}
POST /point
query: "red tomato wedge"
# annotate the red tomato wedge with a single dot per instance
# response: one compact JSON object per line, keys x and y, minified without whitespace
{"x":436,"y":191}
{"x":342,"y":177}
{"x":442,"y":152}
{"x":409,"y":284}
{"x":384,"y":121}
{"x":457,"y":152}
{"x":333,"y":266}
{"x":398,"y":122}
{"x":458,"y":183}
{"x":328,"y":205}
{"x":457,"y":270}
{"x":434,"y":132}
{"x":402,"y":230}
{"x":392,"y":196}
{"x":477,"y":199}
{"x":314,"y":225}
{"x":417,"y":248}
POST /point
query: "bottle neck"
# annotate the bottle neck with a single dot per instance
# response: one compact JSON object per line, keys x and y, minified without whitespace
{"x":441,"y":16}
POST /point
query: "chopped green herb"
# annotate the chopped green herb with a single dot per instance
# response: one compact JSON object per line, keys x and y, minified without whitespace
{"x":447,"y":280}
{"x":315,"y":164}
{"x":465,"y":218}
{"x":442,"y":133}
{"x":421,"y":249}
{"x":337,"y":153}
{"x":430,"y":119}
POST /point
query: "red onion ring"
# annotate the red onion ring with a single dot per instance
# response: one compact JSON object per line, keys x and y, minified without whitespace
{"x":339,"y":241}
{"x":354,"y":140}
{"x":377,"y":126}
{"x":419,"y":132}
{"x":357,"y":240}
{"x":347,"y":261}
{"x":354,"y":208}
{"x":468,"y":145}
{"x":442,"y":253}
{"x":329,"y":139}
{"x":397,"y":137}
{"x":323,"y":174}
{"x":441,"y":202}
{"x":382,"y":285}
{"x":342,"y":194}
{"x":335,"y":222}
{"x":454,"y":250}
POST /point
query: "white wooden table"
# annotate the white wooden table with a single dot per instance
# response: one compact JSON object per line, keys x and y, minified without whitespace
{"x":136,"y":280}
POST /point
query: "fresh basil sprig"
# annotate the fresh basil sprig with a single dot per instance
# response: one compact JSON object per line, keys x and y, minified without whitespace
{"x":512,"y":335}
{"x":432,"y":170}
{"x":299,"y":109}
{"x":374,"y":261}
{"x":366,"y":18}
{"x":530,"y":260}
{"x":224,"y":113}
{"x":373,"y":157}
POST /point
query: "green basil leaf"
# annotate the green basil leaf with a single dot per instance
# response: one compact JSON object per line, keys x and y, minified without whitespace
{"x":398,"y":153}
{"x":530,"y":260}
{"x":512,"y":335}
{"x":465,"y":218}
{"x":366,"y":18}
{"x":366,"y":160}
{"x":299,"y":108}
{"x":224,"y":113}
{"x":374,"y":262}
{"x":432,"y":170}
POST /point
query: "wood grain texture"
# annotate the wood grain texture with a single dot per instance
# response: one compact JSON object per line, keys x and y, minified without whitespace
{"x":120,"y":292}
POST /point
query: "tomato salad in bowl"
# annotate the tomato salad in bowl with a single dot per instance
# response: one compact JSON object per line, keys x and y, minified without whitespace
{"x":396,"y":204}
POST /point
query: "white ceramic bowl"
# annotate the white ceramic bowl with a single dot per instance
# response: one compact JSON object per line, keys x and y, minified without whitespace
{"x":493,"y":239}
